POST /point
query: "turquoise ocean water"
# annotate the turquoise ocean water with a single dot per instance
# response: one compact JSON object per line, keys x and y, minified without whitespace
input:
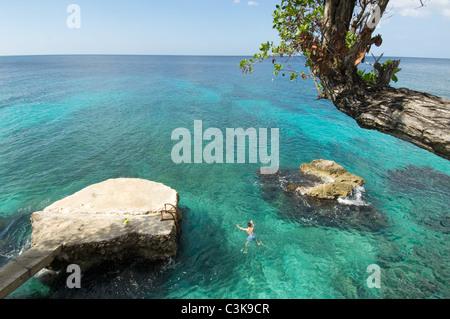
{"x":70,"y":121}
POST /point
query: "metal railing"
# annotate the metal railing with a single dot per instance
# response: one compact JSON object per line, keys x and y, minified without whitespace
{"x":170,"y":211}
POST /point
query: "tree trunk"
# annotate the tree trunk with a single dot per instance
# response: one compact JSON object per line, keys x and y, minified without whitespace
{"x":420,"y":118}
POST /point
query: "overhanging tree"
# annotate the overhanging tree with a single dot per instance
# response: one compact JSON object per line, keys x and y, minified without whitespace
{"x":334,"y":37}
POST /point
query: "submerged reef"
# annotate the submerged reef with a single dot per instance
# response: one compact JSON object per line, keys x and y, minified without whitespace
{"x":289,"y":191}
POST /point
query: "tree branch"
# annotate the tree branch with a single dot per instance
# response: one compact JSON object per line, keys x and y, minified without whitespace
{"x":420,"y":118}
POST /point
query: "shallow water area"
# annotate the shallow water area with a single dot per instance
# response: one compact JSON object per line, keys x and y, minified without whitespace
{"x":67,"y":122}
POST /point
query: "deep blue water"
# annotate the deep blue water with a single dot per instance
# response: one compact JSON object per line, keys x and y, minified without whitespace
{"x":70,"y":121}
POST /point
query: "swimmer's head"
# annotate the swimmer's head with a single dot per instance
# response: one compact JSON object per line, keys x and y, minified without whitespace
{"x":249,"y":224}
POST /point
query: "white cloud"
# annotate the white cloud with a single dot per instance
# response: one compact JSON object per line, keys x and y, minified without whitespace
{"x":446,"y":13}
{"x":405,"y":3}
{"x":414,"y":8}
{"x":415,"y":12}
{"x":249,"y":3}
{"x":442,"y":2}
{"x":410,"y":8}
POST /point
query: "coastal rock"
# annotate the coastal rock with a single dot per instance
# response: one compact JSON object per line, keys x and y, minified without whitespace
{"x":110,"y":221}
{"x":283,"y":191}
{"x":338,"y":183}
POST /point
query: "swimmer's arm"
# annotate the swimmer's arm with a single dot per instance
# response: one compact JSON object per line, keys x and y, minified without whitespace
{"x":240,"y":227}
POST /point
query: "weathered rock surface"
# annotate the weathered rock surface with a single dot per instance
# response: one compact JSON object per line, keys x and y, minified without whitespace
{"x":337,"y":181}
{"x":91,"y":223}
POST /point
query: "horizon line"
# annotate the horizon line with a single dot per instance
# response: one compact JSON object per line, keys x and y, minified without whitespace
{"x":187,"y":55}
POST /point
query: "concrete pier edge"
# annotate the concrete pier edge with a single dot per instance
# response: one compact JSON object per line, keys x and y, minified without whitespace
{"x":20,"y":269}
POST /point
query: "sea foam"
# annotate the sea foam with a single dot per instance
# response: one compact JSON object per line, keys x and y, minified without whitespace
{"x":355,"y":198}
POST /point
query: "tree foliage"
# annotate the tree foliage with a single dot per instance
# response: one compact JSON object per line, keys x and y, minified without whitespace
{"x":333,"y":38}
{"x":327,"y":34}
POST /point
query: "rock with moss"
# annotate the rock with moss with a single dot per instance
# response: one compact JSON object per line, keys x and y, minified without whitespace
{"x":337,"y":182}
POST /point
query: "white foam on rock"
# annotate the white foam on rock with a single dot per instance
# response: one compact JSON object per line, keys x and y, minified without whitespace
{"x":355,"y":198}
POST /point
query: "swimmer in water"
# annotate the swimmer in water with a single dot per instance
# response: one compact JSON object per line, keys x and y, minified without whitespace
{"x":252,"y":236}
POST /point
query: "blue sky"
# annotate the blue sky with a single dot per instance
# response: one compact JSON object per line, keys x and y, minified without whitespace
{"x":194,"y":27}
